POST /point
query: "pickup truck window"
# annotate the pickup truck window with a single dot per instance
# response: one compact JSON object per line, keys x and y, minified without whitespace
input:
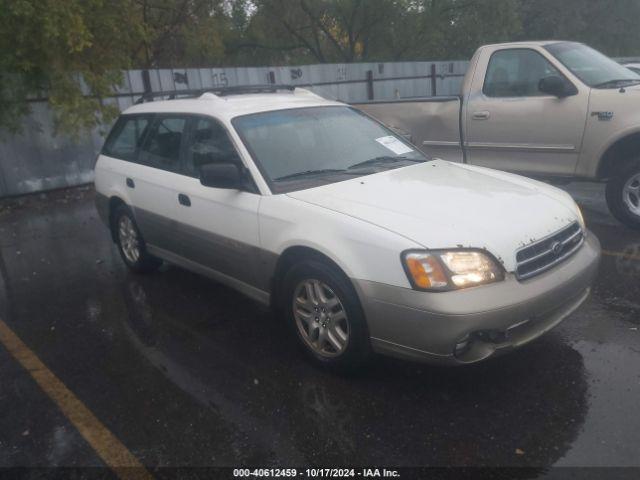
{"x":592,"y":67}
{"x":517,"y":73}
{"x":305,"y":147}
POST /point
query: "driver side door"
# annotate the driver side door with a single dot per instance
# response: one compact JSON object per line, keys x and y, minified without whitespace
{"x":512,"y":126}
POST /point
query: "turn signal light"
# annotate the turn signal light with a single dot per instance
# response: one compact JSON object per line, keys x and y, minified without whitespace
{"x":426,"y":271}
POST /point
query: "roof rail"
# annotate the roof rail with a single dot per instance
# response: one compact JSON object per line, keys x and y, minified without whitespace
{"x":220,"y":92}
{"x":172,"y":94}
{"x":246,"y":89}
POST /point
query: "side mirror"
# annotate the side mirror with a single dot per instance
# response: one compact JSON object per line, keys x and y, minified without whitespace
{"x":222,"y":175}
{"x":556,"y":86}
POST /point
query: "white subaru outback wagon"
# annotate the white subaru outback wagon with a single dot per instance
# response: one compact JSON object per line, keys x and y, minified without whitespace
{"x":361,"y":242}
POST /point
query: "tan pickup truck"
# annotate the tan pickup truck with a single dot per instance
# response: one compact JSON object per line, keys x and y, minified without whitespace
{"x":554,"y":110}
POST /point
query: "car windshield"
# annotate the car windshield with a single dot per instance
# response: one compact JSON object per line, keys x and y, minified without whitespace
{"x":306,"y":147}
{"x":592,"y":67}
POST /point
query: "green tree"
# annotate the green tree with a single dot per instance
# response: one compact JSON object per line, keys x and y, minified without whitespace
{"x":72,"y":51}
{"x":608,"y":26}
{"x":314,"y":30}
{"x":180,"y":33}
{"x":299,"y":31}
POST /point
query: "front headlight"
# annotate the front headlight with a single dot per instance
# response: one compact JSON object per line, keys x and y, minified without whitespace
{"x":443,"y":270}
{"x":580,"y":217}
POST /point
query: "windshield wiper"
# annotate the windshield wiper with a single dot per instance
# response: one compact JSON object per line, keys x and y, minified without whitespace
{"x":308,"y":173}
{"x":384,"y":159}
{"x":617,"y":82}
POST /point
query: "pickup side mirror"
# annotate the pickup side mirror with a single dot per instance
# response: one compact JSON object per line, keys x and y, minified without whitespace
{"x":556,"y":86}
{"x":228,"y":175}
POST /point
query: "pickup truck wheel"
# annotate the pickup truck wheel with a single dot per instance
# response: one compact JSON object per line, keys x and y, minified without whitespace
{"x":323,"y":310}
{"x":130,"y":243}
{"x":623,"y":196}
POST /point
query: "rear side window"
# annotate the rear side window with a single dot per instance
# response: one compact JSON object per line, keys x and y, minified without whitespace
{"x":163,"y":145}
{"x":517,"y":73}
{"x":209,"y":143}
{"x":126,"y":137}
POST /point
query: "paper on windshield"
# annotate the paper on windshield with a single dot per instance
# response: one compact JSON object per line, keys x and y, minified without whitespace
{"x":393,"y":144}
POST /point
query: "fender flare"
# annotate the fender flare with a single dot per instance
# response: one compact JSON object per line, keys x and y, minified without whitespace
{"x":603,"y":160}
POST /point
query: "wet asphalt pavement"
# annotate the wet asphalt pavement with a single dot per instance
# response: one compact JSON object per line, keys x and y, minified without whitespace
{"x":186,"y":372}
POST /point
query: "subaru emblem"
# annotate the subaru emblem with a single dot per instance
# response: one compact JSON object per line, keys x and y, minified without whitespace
{"x":556,"y":248}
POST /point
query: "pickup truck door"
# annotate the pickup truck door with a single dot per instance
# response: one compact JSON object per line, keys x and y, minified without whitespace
{"x":510,"y":125}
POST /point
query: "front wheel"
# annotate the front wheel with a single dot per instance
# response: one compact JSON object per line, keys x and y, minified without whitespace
{"x":623,"y":196}
{"x":323,"y":309}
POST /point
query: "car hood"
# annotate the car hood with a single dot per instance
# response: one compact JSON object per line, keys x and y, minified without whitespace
{"x":439,"y":204}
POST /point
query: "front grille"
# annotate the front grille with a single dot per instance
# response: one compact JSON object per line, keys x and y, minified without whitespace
{"x":539,"y":257}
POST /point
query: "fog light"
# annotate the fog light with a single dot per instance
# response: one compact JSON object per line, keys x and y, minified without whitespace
{"x":492,"y":336}
{"x":462,"y":346}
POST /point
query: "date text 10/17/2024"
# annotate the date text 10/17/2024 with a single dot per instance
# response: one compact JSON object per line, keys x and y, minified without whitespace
{"x":316,"y":472}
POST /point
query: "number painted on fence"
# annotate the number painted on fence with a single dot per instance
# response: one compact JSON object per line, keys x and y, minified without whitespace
{"x":220,"y":79}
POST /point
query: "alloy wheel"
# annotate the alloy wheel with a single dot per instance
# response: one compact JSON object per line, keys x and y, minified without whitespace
{"x":321,"y":318}
{"x":631,"y":194}
{"x":129,"y":240}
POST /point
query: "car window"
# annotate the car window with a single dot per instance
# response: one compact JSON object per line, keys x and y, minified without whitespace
{"x":208,"y":143}
{"x":161,"y":148}
{"x":125,"y":137}
{"x":591,"y":66}
{"x":517,"y":73}
{"x":319,"y":145}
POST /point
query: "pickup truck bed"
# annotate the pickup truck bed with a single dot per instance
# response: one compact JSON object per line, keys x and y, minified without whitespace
{"x":432,"y":123}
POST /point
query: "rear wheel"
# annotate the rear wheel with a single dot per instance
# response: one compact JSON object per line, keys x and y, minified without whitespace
{"x":623,"y":196}
{"x":131,"y":245}
{"x":323,"y":310}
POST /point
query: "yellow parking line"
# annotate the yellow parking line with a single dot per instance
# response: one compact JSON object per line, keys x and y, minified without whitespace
{"x":112,"y":452}
{"x":621,"y":255}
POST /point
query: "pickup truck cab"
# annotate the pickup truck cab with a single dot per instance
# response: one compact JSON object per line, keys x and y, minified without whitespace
{"x":358,"y":239}
{"x":553,"y":110}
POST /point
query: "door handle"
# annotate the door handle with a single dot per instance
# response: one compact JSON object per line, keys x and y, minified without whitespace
{"x":130,"y":183}
{"x":184,"y":200}
{"x":484,"y":115}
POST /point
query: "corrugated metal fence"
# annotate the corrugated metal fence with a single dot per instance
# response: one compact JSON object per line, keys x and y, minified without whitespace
{"x":36,"y":160}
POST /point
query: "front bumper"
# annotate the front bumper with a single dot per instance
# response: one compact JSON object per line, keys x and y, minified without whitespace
{"x":494,"y":318}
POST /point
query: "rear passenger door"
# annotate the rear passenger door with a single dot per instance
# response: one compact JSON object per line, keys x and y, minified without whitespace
{"x":118,"y":160}
{"x":155,"y":197}
{"x":217,"y":228}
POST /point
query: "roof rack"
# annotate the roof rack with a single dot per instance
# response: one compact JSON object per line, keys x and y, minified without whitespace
{"x":246,"y":89}
{"x":172,"y":95}
{"x":220,"y":92}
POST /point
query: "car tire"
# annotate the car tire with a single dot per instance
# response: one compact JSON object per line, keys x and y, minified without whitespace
{"x":130,"y":242}
{"x":324,"y":312}
{"x":623,"y":196}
